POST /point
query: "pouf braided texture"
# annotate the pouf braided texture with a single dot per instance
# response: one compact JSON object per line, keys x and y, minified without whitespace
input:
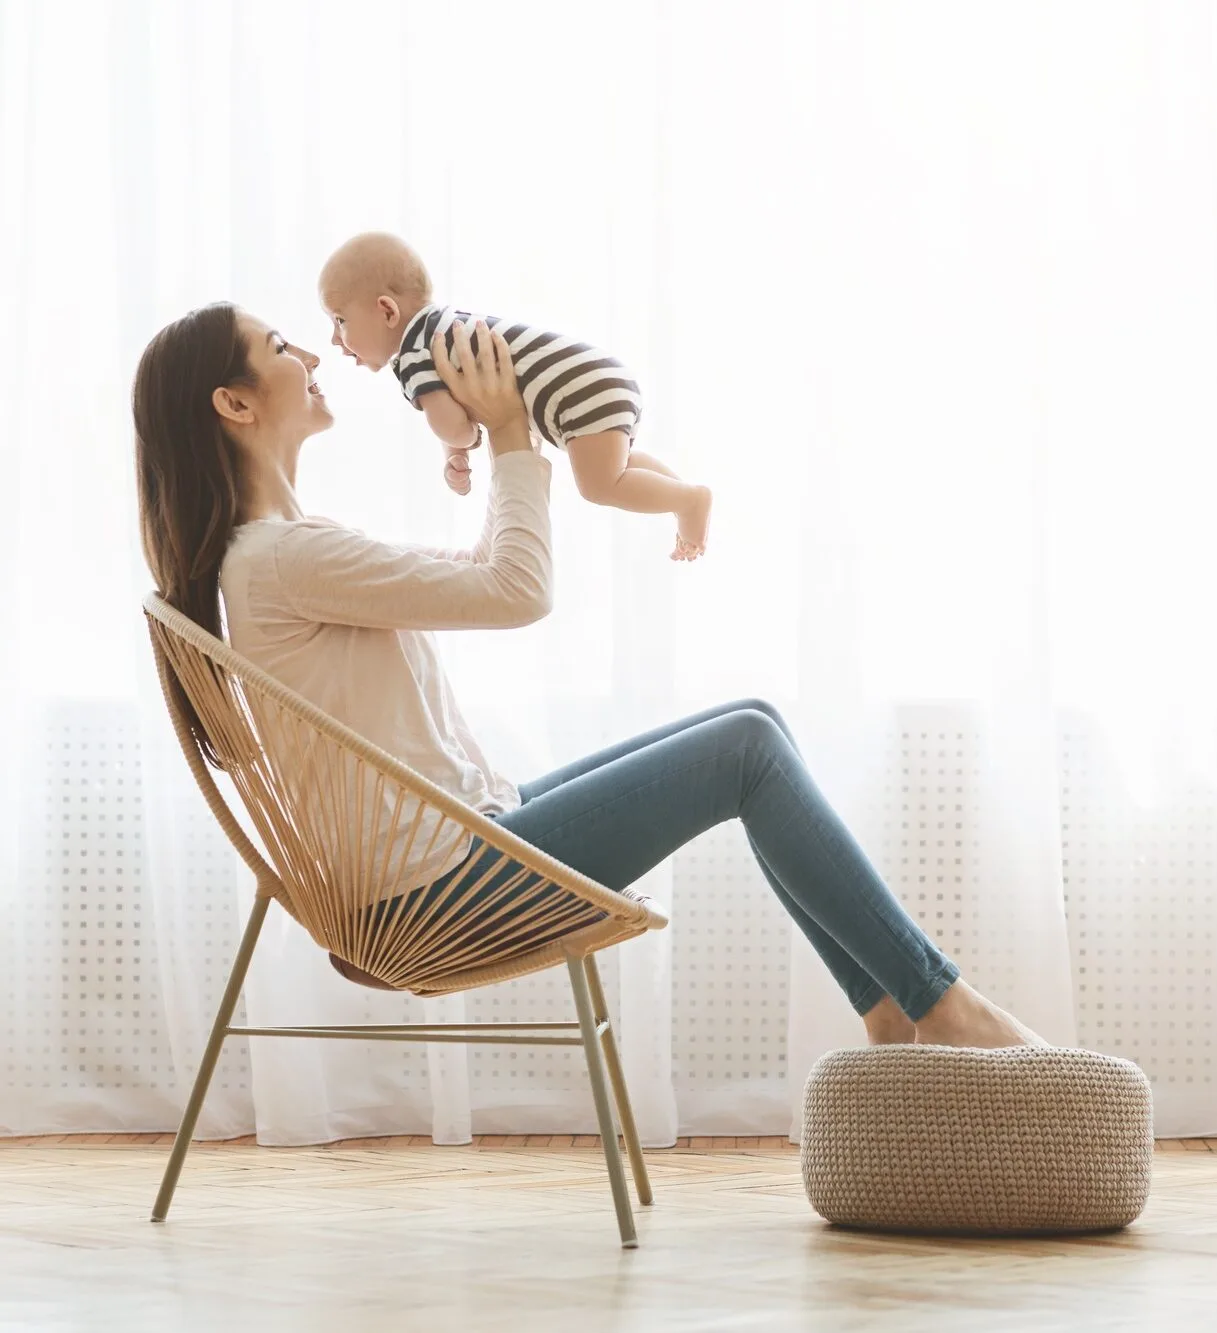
{"x":1023,"y":1140}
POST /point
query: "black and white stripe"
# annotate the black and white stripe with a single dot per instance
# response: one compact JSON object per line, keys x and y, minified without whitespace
{"x":570,"y":388}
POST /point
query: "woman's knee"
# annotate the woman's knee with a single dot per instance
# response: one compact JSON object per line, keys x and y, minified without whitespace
{"x":755,"y":723}
{"x":764,"y":707}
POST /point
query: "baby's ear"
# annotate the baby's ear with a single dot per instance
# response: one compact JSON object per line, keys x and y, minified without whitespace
{"x":391,"y":311}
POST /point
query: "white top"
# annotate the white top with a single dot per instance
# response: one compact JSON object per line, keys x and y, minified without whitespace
{"x":345,"y":621}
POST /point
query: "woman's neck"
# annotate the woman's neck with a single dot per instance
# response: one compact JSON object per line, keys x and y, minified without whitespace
{"x":269,"y":491}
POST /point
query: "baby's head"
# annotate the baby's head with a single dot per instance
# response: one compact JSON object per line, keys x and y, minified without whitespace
{"x":371,"y":288}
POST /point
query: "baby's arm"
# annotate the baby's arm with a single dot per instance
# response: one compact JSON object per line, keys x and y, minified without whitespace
{"x":448,"y":419}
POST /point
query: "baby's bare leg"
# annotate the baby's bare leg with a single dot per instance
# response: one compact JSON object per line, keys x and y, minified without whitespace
{"x":606,"y":475}
{"x":650,"y":463}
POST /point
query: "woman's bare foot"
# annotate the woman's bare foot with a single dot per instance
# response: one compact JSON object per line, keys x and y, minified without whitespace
{"x":888,"y":1025}
{"x":963,"y":1017}
{"x":693,"y":524}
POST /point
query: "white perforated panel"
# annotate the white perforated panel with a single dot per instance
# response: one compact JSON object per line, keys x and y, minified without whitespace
{"x":923,"y":833}
{"x":1141,"y":887}
{"x":928,"y":815}
{"x":730,"y":954}
{"x":93,"y":989}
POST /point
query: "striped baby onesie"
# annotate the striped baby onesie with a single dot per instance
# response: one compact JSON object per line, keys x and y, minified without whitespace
{"x":569,"y":387}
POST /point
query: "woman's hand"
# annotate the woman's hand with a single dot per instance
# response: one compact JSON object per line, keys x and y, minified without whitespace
{"x":485,"y":385}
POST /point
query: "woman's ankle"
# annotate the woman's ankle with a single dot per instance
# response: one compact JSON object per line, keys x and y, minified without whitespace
{"x":888,"y":1025}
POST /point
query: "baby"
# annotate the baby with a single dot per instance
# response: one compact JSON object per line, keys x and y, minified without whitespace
{"x":377,"y":295}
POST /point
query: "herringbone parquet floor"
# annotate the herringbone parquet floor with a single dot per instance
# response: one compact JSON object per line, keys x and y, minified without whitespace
{"x":394,"y":1234}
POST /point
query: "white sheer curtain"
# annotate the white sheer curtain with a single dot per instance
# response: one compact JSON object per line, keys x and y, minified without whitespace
{"x":928,"y":293}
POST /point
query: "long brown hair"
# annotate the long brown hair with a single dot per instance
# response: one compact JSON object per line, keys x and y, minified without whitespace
{"x":187,"y":468}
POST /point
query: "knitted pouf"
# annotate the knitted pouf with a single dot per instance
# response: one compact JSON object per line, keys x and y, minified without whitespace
{"x":939,"y":1138}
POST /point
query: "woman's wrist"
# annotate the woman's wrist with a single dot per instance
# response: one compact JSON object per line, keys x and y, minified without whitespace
{"x":509,"y":437}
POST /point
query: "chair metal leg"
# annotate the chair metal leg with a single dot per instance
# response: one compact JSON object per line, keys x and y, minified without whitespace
{"x":612,"y":1060}
{"x":604,"y":1108}
{"x":211,"y":1054}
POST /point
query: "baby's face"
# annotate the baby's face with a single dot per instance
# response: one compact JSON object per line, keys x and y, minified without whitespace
{"x":363,"y":328}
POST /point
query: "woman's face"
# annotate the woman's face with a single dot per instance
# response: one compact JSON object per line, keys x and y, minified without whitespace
{"x":286,"y":402}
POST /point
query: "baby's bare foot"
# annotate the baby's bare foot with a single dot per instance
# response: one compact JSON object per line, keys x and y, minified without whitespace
{"x":693,"y":524}
{"x":963,"y":1017}
{"x":457,"y":474}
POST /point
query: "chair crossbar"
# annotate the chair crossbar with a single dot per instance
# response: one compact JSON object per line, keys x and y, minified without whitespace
{"x":381,"y":1034}
{"x":420,"y":1027}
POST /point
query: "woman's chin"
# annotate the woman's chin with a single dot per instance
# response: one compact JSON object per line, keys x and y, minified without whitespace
{"x":320,"y":415}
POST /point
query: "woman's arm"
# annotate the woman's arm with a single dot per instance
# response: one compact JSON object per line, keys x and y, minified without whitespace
{"x":340,"y":577}
{"x":336,"y":576}
{"x":479,"y":552}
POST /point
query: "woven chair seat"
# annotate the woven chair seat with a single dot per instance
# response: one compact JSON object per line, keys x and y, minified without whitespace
{"x":1022,"y":1140}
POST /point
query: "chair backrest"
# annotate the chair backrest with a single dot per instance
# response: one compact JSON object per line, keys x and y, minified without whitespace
{"x":380,"y":866}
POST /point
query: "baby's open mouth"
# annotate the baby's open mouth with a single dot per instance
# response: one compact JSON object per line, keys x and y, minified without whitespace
{"x":315,"y":389}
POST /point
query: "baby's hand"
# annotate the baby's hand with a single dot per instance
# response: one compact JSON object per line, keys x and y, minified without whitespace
{"x":457,"y":471}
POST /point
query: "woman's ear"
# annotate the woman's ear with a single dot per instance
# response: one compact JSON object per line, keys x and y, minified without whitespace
{"x":231,"y":406}
{"x":390,"y":311}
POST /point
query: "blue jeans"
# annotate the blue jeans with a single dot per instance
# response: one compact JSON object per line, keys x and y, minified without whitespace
{"x":617,"y":814}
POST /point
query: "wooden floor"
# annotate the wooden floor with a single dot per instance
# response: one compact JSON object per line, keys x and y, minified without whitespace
{"x":518,"y":1234}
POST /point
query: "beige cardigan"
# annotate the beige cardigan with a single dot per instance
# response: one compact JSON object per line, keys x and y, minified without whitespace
{"x":346,"y":621}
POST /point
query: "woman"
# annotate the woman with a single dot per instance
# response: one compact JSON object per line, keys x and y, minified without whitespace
{"x":222,"y":406}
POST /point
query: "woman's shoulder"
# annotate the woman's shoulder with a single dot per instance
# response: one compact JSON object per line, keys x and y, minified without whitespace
{"x":259,"y":533}
{"x":264,"y":541}
{"x":296,"y":551}
{"x":272,"y":563}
